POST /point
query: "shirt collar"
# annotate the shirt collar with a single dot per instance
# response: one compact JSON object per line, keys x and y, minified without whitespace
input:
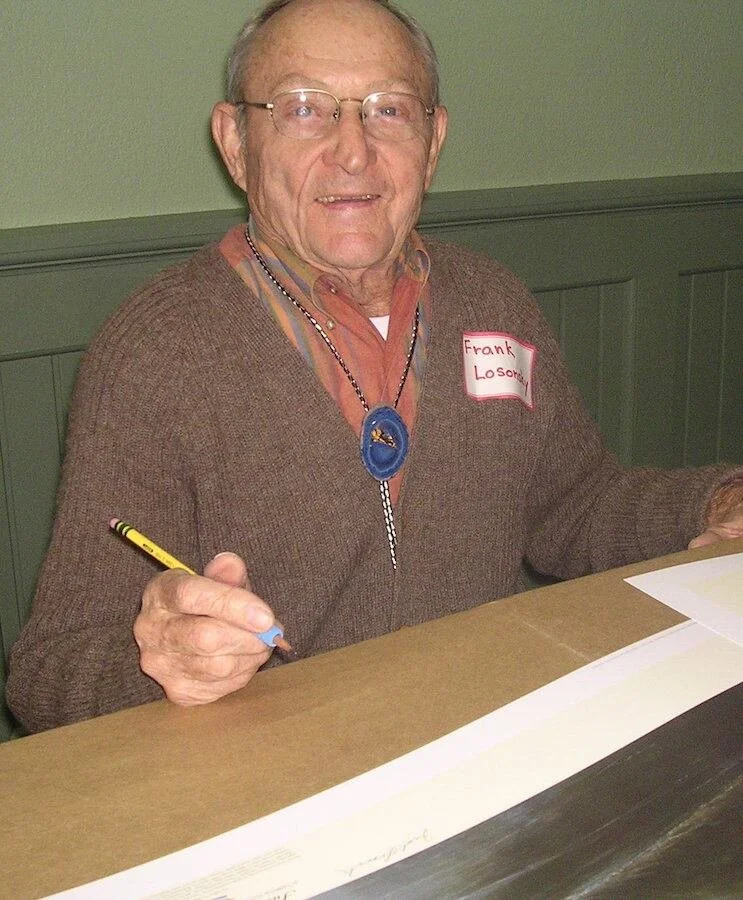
{"x":412,"y":262}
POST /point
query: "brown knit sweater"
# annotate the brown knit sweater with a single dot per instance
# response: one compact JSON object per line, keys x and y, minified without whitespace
{"x":194,"y":419}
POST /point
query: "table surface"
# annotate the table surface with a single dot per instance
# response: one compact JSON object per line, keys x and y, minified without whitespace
{"x":661,"y":817}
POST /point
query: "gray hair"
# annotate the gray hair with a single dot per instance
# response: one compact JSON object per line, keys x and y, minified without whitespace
{"x":243,"y":46}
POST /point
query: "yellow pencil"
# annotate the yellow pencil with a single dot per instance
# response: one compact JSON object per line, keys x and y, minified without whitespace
{"x":150,"y":547}
{"x":274,"y":637}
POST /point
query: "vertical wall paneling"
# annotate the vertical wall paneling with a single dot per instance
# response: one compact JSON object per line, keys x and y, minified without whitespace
{"x":703,"y":302}
{"x":581,"y":340}
{"x":8,"y":576}
{"x":594,"y":325}
{"x":616,"y":365}
{"x":8,"y":591}
{"x":33,"y":458}
{"x":659,"y":356}
{"x":711,"y":303}
{"x":731,"y":395}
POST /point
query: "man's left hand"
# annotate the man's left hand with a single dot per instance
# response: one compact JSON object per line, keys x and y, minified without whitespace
{"x":725,"y":519}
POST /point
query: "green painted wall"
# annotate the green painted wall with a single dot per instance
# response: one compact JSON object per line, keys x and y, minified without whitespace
{"x":104,"y":104}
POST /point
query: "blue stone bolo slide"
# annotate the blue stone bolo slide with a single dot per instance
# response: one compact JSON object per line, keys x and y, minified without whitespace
{"x":384,"y":442}
{"x":273,"y":638}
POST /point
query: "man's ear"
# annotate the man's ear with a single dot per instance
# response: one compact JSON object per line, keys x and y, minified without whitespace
{"x":226,"y":134}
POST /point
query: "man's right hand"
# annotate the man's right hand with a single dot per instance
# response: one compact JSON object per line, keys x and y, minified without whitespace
{"x":197,"y":634}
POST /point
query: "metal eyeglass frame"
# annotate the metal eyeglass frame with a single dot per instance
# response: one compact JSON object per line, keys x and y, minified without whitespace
{"x":270,"y":105}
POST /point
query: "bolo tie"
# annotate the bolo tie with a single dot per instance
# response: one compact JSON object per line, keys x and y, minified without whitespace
{"x":383,"y":442}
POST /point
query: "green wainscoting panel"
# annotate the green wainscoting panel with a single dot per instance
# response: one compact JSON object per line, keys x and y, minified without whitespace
{"x":8,"y":587}
{"x":641,"y":281}
{"x":594,"y":325}
{"x":8,"y":590}
{"x":731,"y":400}
{"x":31,"y":453}
{"x":714,"y":377}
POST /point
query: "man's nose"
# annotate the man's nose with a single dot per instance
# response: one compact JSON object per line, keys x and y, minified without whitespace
{"x":350,"y":147}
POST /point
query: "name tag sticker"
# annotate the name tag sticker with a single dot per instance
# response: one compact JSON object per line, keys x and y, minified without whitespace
{"x":496,"y":365}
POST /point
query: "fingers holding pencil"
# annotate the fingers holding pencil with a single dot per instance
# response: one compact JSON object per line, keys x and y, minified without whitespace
{"x":201,"y":637}
{"x":195,"y":636}
{"x":224,"y":570}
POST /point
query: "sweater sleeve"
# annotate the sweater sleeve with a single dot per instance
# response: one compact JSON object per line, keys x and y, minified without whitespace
{"x":77,"y":657}
{"x":586,"y":512}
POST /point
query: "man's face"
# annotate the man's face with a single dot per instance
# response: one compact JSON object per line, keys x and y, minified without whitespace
{"x":346,"y":202}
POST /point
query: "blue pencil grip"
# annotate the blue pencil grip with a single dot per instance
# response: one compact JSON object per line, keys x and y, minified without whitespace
{"x":269,"y":637}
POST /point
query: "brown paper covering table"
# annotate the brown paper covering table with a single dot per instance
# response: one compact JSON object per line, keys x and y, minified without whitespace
{"x":661,"y":817}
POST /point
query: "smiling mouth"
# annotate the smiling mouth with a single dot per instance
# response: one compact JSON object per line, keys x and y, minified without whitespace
{"x":357,"y":198}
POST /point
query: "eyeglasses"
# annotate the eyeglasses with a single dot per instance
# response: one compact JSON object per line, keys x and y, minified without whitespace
{"x":311,"y":114}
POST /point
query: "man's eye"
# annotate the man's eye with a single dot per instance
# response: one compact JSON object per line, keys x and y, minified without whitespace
{"x":305,"y":111}
{"x":389,"y":112}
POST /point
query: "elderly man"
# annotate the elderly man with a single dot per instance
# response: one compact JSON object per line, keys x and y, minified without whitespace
{"x":342,"y":428}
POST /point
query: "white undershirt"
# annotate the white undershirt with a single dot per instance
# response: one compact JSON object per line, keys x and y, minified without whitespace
{"x":381,"y":323}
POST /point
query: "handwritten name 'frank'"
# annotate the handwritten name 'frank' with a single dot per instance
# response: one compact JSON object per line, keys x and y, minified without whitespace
{"x":496,"y":348}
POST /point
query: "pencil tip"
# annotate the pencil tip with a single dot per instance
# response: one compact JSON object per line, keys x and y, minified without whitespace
{"x":286,"y":648}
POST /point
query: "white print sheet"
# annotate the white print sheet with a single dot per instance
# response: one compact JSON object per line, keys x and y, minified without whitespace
{"x":448,"y":785}
{"x":709,"y":591}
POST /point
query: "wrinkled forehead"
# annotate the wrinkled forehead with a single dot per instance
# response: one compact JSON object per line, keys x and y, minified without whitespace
{"x":332,"y":43}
